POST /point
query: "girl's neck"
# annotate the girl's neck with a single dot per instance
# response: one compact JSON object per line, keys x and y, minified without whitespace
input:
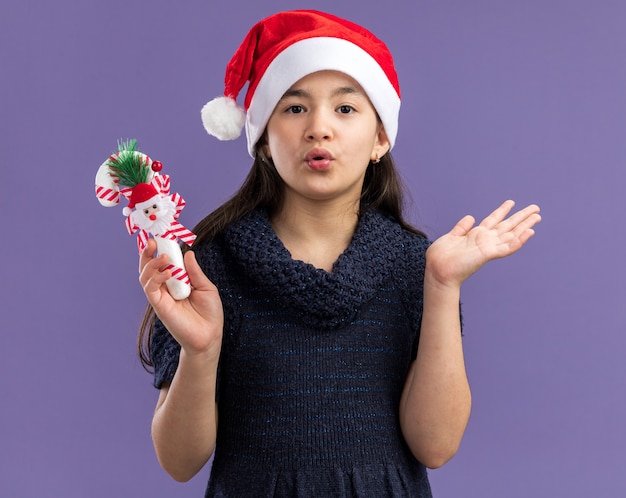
{"x":317,"y":233}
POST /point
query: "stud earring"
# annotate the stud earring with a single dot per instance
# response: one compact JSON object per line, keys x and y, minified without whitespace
{"x":377,"y":160}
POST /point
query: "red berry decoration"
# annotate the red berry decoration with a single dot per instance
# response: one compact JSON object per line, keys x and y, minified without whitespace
{"x":157,"y":166}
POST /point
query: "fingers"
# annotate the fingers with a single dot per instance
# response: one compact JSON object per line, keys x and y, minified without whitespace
{"x":464,"y":225}
{"x":151,"y":275}
{"x":526,"y":219}
{"x":521,"y":224}
{"x":498,"y":215}
{"x":525,"y":236}
{"x":197,"y":277}
{"x":517,"y":222}
{"x":524,"y":214}
{"x":518,"y":229}
{"x":147,"y":254}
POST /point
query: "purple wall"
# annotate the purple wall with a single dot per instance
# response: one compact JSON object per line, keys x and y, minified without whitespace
{"x":500,"y":99}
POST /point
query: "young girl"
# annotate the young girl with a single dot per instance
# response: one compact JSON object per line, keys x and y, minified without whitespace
{"x":319,"y":353}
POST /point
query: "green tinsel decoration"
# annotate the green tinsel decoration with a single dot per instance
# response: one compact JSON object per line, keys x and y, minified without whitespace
{"x":129,"y":168}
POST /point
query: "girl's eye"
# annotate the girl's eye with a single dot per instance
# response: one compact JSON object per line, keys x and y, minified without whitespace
{"x":295,"y":109}
{"x":345,"y":109}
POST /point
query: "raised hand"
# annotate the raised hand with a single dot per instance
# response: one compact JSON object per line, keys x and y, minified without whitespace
{"x":196,"y":322}
{"x":452,"y":258}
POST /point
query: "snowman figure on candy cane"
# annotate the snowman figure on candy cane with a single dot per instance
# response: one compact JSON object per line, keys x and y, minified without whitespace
{"x":151,"y":209}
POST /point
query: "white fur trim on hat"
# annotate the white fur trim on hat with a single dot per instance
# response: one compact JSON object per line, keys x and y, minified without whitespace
{"x":317,"y":54}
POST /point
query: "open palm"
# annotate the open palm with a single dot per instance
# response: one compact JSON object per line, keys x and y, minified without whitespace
{"x":466,"y":248}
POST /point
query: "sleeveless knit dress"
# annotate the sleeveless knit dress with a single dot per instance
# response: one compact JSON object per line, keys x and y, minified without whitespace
{"x":313,"y":363}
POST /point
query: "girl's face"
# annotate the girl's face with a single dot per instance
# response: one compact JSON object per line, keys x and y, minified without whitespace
{"x":321,"y":137}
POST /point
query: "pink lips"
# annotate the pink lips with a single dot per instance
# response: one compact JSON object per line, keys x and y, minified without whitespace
{"x":318,"y":159}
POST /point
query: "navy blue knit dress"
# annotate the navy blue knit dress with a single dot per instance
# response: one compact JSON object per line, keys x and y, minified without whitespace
{"x":313,"y":363}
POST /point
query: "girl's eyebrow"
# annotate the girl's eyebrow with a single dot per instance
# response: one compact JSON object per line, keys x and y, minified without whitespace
{"x":344,"y":90}
{"x":295,"y":93}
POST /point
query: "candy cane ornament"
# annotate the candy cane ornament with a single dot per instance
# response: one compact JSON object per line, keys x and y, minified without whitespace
{"x":151,"y":211}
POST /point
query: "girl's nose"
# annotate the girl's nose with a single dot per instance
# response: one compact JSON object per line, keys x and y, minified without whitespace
{"x":318,"y":126}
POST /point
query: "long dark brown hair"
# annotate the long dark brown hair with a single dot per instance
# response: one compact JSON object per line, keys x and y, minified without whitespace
{"x":264,"y":188}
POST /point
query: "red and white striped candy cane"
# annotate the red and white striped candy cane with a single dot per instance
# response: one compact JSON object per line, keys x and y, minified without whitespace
{"x":109,"y":194}
{"x":178,"y":231}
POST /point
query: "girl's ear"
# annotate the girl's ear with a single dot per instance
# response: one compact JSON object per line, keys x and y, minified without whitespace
{"x":381,"y":146}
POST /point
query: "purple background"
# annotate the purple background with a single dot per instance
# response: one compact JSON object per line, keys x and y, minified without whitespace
{"x":501,"y":98}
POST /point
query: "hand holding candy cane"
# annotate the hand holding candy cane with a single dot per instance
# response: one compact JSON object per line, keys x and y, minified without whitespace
{"x":151,"y":211}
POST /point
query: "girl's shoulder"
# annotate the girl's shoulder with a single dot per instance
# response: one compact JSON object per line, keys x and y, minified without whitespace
{"x":414,"y":247}
{"x":402,"y":237}
{"x":211,"y":254}
{"x":391,"y":247}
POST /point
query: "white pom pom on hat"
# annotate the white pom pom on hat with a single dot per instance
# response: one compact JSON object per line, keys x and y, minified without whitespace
{"x":285,"y":47}
{"x":223,"y":118}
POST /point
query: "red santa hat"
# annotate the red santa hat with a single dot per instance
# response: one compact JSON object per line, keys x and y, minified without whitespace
{"x":285,"y":47}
